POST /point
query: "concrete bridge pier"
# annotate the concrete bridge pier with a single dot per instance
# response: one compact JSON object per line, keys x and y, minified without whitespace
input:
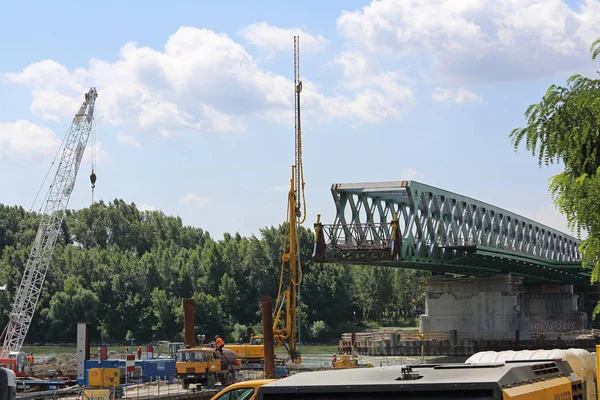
{"x":500,"y":307}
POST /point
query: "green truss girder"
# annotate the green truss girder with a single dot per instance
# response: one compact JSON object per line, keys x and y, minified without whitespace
{"x":445,"y":232}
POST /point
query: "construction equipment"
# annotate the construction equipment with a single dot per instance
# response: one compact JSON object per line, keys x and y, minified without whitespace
{"x":204,"y":366}
{"x":103,"y":383}
{"x":297,"y":216}
{"x":16,"y":361}
{"x":253,"y":353}
{"x":172,"y":349}
{"x":573,"y":375}
{"x":349,"y":361}
{"x":581,"y":361}
{"x":49,"y":229}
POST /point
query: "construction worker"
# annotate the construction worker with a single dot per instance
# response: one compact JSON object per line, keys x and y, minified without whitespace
{"x":333,"y":360}
{"x":220,"y":343}
{"x":139,"y":352}
{"x":31,"y":358}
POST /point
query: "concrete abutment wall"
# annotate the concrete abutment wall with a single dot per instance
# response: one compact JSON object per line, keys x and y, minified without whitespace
{"x":495,"y":308}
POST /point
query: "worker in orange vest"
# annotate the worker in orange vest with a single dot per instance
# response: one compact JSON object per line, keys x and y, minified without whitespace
{"x":31,"y":358}
{"x":139,"y":352}
{"x":220,"y":343}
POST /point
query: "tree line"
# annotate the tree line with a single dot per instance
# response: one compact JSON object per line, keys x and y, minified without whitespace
{"x":125,"y":271}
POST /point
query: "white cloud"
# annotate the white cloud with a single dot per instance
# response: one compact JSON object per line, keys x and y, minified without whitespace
{"x":25,"y":139}
{"x":379,"y":94}
{"x":274,"y":38}
{"x":409,"y":174}
{"x":478,"y":40}
{"x":99,"y":154}
{"x":57,"y":92}
{"x":459,"y":96}
{"x":129,"y":140}
{"x":201,"y":81}
{"x":194,"y":201}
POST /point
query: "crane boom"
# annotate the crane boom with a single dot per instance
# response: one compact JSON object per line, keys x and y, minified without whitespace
{"x":32,"y":281}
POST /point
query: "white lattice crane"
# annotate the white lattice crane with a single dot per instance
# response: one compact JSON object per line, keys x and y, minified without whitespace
{"x":32,"y":281}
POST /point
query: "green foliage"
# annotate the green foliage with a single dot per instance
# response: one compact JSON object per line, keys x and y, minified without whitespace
{"x":319,"y":330}
{"x":595,"y":48}
{"x":565,"y":127}
{"x":125,"y":271}
{"x":73,"y":303}
{"x":239,"y":334}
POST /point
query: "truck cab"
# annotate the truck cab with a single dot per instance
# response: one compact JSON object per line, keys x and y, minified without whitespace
{"x":17,"y":362}
{"x":256,"y":340}
{"x":204,"y":366}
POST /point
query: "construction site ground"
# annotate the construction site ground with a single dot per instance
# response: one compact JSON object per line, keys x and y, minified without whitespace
{"x":61,"y":361}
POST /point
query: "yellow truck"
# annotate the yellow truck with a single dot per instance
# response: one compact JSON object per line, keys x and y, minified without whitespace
{"x":204,"y":366}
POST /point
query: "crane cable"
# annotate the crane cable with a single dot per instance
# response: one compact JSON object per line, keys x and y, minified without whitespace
{"x":93,"y":158}
{"x":299,"y":168}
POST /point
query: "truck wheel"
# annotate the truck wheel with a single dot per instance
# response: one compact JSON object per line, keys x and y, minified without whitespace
{"x":211,"y":381}
{"x":227,"y":379}
{"x":185,"y":384}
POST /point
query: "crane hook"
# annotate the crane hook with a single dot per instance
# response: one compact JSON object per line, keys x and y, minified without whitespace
{"x":93,"y":179}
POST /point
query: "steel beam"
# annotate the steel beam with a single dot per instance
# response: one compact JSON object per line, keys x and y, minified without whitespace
{"x":436,"y":225}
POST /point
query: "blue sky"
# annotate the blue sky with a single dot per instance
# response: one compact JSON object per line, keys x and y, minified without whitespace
{"x":195,"y":101}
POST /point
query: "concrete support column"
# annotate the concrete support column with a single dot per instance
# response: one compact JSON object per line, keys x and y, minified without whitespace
{"x":499,"y":308}
{"x":83,"y":347}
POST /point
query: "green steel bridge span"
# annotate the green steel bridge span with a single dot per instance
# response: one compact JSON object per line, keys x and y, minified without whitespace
{"x":440,"y":231}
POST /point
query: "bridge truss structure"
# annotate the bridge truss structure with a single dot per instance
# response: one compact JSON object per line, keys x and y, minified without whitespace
{"x":413,"y":225}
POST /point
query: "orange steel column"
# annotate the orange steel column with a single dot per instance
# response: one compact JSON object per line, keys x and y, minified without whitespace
{"x":267,"y":321}
{"x":189,"y":338}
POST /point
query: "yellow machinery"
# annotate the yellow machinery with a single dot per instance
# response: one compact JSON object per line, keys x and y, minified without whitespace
{"x":349,"y":361}
{"x":103,"y":384}
{"x":104,"y":377}
{"x":249,"y":353}
{"x":346,"y":361}
{"x":510,"y":375}
{"x":203,"y":366}
{"x":581,"y":361}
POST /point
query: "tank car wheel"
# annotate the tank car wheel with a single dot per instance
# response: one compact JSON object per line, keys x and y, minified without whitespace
{"x":211,"y":381}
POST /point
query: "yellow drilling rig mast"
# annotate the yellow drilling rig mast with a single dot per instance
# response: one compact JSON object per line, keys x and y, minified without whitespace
{"x":252,"y":354}
{"x":296,"y":216}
